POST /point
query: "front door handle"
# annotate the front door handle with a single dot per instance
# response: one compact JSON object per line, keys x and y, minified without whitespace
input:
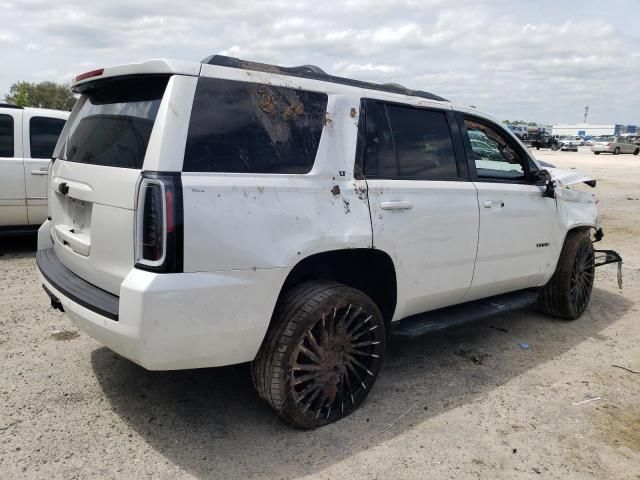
{"x":397,"y":205}
{"x":492,"y":203}
{"x":42,"y":171}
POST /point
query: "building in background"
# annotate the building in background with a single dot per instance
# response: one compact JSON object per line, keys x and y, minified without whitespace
{"x":588,"y":130}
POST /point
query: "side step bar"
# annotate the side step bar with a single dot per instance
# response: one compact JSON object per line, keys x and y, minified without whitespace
{"x":449,"y":317}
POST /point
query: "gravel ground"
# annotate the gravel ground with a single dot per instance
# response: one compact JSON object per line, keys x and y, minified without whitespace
{"x":469,"y":403}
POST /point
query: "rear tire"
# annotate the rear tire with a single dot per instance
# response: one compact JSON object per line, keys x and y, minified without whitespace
{"x":616,"y":151}
{"x":596,"y":153}
{"x":322,"y":354}
{"x":568,"y":292}
{"x":554,"y":146}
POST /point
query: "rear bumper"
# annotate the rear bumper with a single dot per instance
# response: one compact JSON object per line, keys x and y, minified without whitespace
{"x":75,"y":288}
{"x":173,"y":321}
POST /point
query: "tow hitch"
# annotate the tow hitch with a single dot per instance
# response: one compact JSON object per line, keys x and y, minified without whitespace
{"x":56,"y":304}
{"x":604,"y":257}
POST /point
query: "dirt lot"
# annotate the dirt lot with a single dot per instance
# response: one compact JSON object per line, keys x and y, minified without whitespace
{"x":469,"y":403}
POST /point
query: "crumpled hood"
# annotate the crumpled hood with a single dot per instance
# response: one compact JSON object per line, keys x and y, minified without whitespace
{"x":570,"y":177}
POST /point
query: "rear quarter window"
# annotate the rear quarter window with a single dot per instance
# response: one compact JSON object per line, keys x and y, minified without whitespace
{"x":241,"y":127}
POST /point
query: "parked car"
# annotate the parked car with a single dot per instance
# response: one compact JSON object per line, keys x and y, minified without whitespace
{"x":225,"y":212}
{"x":27,"y":139}
{"x":544,"y":140}
{"x":568,"y":144}
{"x":521,"y":131}
{"x":615,"y":145}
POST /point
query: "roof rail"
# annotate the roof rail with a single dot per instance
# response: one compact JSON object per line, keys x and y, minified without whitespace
{"x":8,"y":105}
{"x":315,"y":73}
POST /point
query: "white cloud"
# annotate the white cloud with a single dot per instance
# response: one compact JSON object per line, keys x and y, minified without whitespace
{"x":532,"y":60}
{"x":8,"y":37}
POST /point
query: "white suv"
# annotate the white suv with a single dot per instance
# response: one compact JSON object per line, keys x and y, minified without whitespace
{"x":207,"y":214}
{"x":27,"y":139}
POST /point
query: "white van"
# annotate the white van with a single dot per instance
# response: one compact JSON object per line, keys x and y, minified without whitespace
{"x":207,"y":214}
{"x":27,"y":139}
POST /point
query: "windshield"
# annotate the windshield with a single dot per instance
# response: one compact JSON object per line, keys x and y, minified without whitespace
{"x":112,"y":123}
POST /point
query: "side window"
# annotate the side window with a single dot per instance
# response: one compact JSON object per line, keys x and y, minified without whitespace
{"x":423,"y":143}
{"x":405,"y":142}
{"x":43,"y":135}
{"x":253,"y":128}
{"x":379,"y":152}
{"x":493,"y":154}
{"x":6,"y":136}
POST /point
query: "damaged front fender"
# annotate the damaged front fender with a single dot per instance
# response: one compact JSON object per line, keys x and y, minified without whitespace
{"x":570,"y":177}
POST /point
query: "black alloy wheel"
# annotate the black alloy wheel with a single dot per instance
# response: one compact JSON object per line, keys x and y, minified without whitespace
{"x":334,"y":362}
{"x":582,"y":277}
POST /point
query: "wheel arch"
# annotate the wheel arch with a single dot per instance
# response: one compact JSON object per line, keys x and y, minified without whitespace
{"x":368,"y":269}
{"x":576,"y":227}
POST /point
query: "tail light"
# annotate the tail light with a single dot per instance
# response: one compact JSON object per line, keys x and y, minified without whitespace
{"x":608,"y":144}
{"x":159,"y":231}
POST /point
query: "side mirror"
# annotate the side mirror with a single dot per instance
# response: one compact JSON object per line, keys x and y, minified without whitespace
{"x":550,"y":189}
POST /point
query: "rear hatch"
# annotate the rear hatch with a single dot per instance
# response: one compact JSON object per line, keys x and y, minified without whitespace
{"x":95,"y":174}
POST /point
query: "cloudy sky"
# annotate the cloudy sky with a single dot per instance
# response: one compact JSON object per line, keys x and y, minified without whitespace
{"x":539,"y":61}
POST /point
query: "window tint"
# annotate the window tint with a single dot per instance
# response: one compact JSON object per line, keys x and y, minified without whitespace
{"x":44,"y":133}
{"x":406,"y":142}
{"x":113,"y":125}
{"x":6,"y":136}
{"x":423,"y":142}
{"x":379,"y":153}
{"x":253,"y":128}
{"x":493,"y":156}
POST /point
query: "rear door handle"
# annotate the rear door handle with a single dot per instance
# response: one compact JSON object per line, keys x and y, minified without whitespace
{"x":492,"y":203}
{"x":397,"y":205}
{"x":42,"y":171}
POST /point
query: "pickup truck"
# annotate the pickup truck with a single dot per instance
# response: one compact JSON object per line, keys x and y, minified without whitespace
{"x":27,"y":139}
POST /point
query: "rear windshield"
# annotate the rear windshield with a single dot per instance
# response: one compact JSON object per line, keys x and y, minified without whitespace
{"x":253,"y":128}
{"x":112,"y":124}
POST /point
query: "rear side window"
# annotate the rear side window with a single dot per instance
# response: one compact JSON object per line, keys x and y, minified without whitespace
{"x":380,"y":154}
{"x":113,"y":123}
{"x":6,"y":136}
{"x":408,"y":143}
{"x":242,"y":127}
{"x":43,"y":135}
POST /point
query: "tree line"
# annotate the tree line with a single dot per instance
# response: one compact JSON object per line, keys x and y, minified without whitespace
{"x":41,"y":95}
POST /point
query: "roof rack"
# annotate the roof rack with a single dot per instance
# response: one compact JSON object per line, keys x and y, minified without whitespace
{"x":8,"y":105}
{"x":315,"y":73}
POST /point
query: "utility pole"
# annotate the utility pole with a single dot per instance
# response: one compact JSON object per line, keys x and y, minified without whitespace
{"x":586,"y":112}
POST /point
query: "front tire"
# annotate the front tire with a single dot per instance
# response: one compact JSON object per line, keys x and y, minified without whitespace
{"x":568,"y":292}
{"x":596,"y":153}
{"x":636,"y":151}
{"x":322,"y":355}
{"x":554,"y":146}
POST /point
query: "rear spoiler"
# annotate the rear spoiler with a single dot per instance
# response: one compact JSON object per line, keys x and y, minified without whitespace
{"x":150,"y":67}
